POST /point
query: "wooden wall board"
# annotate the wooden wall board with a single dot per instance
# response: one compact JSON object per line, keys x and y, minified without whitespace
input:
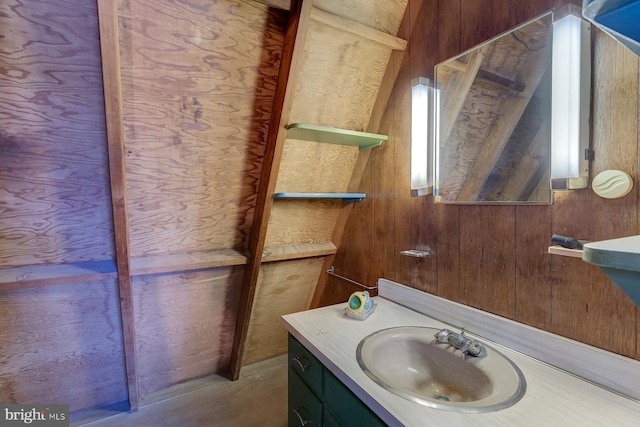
{"x":185,"y":325}
{"x":283,"y":287}
{"x":62,"y":344}
{"x":481,"y":20}
{"x":53,"y":151}
{"x":446,"y":238}
{"x":382,"y":15}
{"x":302,"y":221}
{"x":588,"y":307}
{"x":487,"y":239}
{"x":314,"y":167}
{"x":449,"y":29}
{"x":401,"y":176}
{"x":530,"y":9}
{"x":199,"y":84}
{"x":345,"y":102}
{"x":383,"y":237}
{"x":533,"y":266}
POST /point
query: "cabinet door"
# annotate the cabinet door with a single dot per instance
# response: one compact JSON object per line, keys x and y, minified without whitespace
{"x":328,"y":420}
{"x":306,"y":365}
{"x":305,"y":410}
{"x":348,"y":409}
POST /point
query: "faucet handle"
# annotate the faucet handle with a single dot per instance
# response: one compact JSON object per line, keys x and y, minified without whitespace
{"x":443,"y":335}
{"x":476,"y":349}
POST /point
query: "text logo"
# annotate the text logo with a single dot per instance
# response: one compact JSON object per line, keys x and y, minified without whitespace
{"x":34,"y":415}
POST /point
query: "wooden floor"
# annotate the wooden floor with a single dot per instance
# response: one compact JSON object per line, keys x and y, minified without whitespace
{"x":258,"y":398}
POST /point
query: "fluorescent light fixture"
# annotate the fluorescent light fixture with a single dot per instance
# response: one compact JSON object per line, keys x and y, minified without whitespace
{"x":570,"y":104}
{"x":423,"y":125}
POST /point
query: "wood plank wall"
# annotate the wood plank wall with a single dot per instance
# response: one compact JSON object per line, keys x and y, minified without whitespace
{"x":198,"y":80}
{"x":494,"y":257}
{"x":61,"y":342}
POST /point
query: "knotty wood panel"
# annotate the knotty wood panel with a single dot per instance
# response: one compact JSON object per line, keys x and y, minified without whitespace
{"x":283,"y":287}
{"x":302,"y":221}
{"x":62,"y":344}
{"x":309,"y":166}
{"x":345,"y":102}
{"x":54,"y":183}
{"x":184,"y":325}
{"x":199,"y":79}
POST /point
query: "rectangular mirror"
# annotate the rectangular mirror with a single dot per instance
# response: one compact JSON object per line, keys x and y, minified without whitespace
{"x":495,"y":113}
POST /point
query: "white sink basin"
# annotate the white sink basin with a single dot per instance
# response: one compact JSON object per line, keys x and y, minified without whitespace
{"x":409,"y":362}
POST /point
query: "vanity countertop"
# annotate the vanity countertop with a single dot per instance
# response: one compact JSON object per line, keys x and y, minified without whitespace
{"x":553,"y":397}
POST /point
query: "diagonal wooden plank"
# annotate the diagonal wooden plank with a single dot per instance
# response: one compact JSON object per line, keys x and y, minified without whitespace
{"x":293,"y":48}
{"x":110,"y":51}
{"x":458,"y":95}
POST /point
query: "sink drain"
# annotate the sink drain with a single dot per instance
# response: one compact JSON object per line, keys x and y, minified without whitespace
{"x":441,"y":397}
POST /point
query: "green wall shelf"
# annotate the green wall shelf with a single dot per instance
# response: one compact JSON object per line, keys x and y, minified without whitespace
{"x":346,"y":197}
{"x":307,"y":132}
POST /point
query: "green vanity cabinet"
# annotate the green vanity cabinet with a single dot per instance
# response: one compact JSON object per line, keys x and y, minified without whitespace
{"x":318,"y":398}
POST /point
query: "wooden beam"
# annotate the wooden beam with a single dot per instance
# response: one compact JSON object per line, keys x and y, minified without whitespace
{"x":459,"y":94}
{"x":533,"y":69}
{"x":110,"y":51}
{"x":297,"y":251}
{"x":186,"y":262}
{"x":358,"y":29}
{"x":60,"y":274}
{"x":293,"y":48}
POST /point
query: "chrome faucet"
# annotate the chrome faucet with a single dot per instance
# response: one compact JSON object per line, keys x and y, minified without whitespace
{"x":462,"y":342}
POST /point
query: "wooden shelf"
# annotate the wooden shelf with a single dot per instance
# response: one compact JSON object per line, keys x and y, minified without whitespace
{"x":559,"y":250}
{"x":297,"y":251}
{"x":346,"y":197}
{"x":328,"y":135}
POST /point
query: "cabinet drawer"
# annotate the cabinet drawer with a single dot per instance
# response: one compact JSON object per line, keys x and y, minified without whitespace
{"x":347,"y":407}
{"x":304,"y":407}
{"x":306,"y":365}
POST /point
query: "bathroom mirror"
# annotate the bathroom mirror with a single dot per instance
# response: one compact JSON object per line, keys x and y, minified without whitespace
{"x":493,"y":143}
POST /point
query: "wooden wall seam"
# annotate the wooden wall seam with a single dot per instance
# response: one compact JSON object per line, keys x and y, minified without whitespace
{"x":110,"y":53}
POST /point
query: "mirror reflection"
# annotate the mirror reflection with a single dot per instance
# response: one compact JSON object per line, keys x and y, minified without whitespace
{"x":495,"y":113}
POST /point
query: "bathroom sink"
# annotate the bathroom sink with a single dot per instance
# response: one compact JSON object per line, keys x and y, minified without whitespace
{"x":409,"y":362}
